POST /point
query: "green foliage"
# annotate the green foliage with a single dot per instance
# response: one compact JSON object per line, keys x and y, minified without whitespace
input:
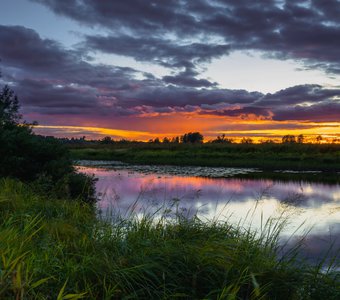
{"x":82,"y":186}
{"x":268,"y":156}
{"x":33,"y":158}
{"x":27,"y":156}
{"x":59,"y":250}
{"x":9,"y":108}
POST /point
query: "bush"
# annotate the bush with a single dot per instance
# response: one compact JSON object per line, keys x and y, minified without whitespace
{"x":26,"y":156}
{"x":38,"y":159}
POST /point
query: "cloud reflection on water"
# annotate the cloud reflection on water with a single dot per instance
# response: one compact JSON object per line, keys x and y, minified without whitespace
{"x":245,"y":202}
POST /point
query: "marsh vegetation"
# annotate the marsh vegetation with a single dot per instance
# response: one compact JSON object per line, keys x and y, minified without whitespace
{"x":53,"y":245}
{"x":269,"y":157}
{"x":57,"y":249}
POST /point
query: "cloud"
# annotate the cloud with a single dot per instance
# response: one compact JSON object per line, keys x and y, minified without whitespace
{"x":166,"y":52}
{"x":266,"y":125}
{"x":140,"y":16}
{"x":24,"y":49}
{"x":328,"y":111}
{"x":201,"y":30}
{"x":187,"y":78}
{"x":48,"y":76}
{"x":53,"y":80}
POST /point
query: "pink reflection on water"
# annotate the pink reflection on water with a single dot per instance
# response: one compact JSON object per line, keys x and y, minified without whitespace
{"x":120,"y":189}
{"x":244,"y":202}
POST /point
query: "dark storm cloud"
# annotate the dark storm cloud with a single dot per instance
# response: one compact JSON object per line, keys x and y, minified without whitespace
{"x":302,"y":30}
{"x":140,"y":16}
{"x":311,"y":93}
{"x":290,"y":104}
{"x":168,"y":53}
{"x":23,"y":48}
{"x":321,"y":112}
{"x":25,"y":51}
{"x":187,"y":78}
{"x":184,"y":80}
{"x":180,"y":96}
{"x":53,"y":80}
{"x":47,"y":75}
{"x":265,"y":126}
{"x":241,"y":112}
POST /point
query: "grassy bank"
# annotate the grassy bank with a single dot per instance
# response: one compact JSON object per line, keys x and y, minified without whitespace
{"x":265,"y":156}
{"x":53,"y":249}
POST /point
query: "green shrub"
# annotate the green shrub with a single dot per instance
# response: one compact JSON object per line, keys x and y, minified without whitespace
{"x":38,"y":159}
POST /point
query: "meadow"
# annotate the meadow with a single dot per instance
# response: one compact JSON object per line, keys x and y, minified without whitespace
{"x":299,"y":157}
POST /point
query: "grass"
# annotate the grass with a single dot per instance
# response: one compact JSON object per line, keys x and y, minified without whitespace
{"x":55,"y":249}
{"x":324,"y":157}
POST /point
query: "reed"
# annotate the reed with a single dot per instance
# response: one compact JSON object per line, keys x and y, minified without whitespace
{"x":55,"y":249}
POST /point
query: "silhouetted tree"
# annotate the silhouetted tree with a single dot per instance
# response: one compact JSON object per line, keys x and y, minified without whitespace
{"x":107,"y":140}
{"x":9,"y":108}
{"x":192,"y":137}
{"x":221,"y":139}
{"x":166,"y":140}
{"x":269,"y":141}
{"x":288,"y":139}
{"x":123,"y":141}
{"x":175,"y":140}
{"x":319,"y":139}
{"x":246,"y":140}
{"x":300,"y":139}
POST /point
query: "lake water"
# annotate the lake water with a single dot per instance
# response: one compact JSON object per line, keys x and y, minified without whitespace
{"x":312,"y":207}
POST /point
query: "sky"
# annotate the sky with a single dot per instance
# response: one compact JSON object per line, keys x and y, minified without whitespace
{"x":139,"y":69}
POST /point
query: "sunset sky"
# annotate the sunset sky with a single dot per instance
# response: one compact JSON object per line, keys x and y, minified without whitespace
{"x":141,"y":69}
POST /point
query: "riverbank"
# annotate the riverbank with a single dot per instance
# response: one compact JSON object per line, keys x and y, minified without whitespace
{"x":268,"y":157}
{"x":59,"y":248}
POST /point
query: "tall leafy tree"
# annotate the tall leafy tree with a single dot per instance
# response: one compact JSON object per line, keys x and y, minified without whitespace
{"x":9,"y":108}
{"x":192,"y":137}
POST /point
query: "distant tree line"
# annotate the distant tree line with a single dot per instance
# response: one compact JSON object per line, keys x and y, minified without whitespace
{"x":300,"y":139}
{"x":196,"y":138}
{"x":187,"y":138}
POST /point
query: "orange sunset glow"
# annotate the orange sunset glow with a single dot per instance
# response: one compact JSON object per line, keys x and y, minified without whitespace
{"x":222,"y":72}
{"x":253,"y":129}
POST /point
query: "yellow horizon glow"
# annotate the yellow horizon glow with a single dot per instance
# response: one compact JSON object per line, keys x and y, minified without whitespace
{"x":327,"y":130}
{"x":96,"y":130}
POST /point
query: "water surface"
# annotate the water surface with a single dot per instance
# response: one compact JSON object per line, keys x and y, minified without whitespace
{"x":312,"y":207}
